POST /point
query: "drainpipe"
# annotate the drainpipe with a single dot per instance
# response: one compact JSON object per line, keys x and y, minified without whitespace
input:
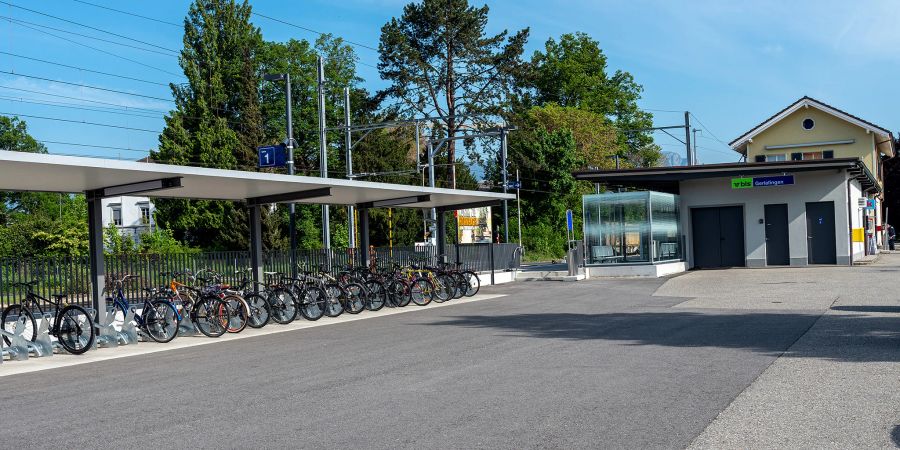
{"x":850,"y":218}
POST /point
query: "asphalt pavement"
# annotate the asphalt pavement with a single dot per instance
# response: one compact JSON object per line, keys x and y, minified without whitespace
{"x":593,"y":364}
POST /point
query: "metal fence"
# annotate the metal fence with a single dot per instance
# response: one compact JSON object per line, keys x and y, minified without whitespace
{"x":71,"y":275}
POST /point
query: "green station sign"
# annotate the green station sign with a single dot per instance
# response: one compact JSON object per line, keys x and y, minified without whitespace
{"x":741,"y":183}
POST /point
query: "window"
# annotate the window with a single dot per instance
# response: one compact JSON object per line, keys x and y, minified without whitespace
{"x":808,"y":124}
{"x":812,"y":155}
{"x":828,"y":154}
{"x":117,"y":216}
{"x":145,"y":214}
{"x":775,"y":157}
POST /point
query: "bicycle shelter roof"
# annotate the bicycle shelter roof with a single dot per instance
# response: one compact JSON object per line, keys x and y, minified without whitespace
{"x":21,"y":171}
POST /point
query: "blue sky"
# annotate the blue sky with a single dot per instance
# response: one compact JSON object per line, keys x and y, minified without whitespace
{"x":732,"y":64}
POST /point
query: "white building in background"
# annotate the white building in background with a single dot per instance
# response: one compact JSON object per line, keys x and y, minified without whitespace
{"x":133,"y":216}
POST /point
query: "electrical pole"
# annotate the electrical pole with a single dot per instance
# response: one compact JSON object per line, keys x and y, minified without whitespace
{"x":687,"y":137}
{"x":323,"y":152}
{"x":349,"y":151}
{"x":695,"y":146}
{"x":433,"y":225}
{"x":505,"y":172}
{"x":292,"y":227}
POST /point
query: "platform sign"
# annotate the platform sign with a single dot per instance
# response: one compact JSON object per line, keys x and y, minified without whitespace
{"x":272,"y":156}
{"x":514,"y":184}
{"x":781,"y":180}
{"x":569,"y":224}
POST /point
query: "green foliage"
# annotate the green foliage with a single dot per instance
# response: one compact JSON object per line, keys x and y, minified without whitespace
{"x":440,"y":61}
{"x":572,"y":72}
{"x":217,"y":121}
{"x":160,"y":241}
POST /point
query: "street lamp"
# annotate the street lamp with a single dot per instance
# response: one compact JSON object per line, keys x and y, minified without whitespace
{"x":290,"y":160}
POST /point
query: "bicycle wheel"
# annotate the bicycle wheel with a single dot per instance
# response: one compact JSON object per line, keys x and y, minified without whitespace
{"x":334,"y":300}
{"x":283,"y":306}
{"x":473,"y":283}
{"x":400,"y":292}
{"x":238,"y":313}
{"x":377,"y":295}
{"x":443,"y":286}
{"x":422,"y":291}
{"x":161,"y":321}
{"x":11,"y":315}
{"x":355,"y":296}
{"x":459,"y":284}
{"x":313,"y":303}
{"x":207,"y":314}
{"x":259,"y":310}
{"x":75,"y":329}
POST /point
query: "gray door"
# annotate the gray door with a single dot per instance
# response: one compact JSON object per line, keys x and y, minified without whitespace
{"x":820,"y":234}
{"x":777,"y":244}
{"x":718,"y":235}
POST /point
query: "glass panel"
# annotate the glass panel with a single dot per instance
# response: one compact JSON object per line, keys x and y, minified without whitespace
{"x":617,"y":227}
{"x":666,"y":222}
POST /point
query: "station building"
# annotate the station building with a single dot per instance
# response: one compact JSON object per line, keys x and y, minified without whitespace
{"x":809,"y":191}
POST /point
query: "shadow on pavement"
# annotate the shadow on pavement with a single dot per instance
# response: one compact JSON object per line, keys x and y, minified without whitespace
{"x":895,"y":435}
{"x":846,"y":338}
{"x":868,"y":308}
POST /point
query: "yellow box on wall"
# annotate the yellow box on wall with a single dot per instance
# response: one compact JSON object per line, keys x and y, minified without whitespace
{"x":859,"y":235}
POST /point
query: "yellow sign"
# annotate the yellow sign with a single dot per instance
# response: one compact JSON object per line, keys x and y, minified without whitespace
{"x":468,"y":221}
{"x":859,"y":235}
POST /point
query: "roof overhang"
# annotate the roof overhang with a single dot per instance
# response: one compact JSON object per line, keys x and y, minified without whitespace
{"x":884,"y":138}
{"x":667,"y":178}
{"x":54,"y":173}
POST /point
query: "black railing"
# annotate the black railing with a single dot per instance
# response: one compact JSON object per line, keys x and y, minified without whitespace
{"x":71,"y":275}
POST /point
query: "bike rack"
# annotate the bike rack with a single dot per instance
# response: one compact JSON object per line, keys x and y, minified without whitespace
{"x":128,"y":334}
{"x":107,"y":336}
{"x":18,"y":348}
{"x":186,"y":327}
{"x":42,"y":345}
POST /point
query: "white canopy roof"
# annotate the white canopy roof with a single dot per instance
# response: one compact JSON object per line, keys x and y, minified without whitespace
{"x":21,"y":171}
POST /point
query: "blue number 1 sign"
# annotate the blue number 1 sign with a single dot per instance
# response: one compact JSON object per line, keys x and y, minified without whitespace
{"x":271,"y":156}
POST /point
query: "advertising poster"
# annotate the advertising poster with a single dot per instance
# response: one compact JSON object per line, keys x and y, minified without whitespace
{"x":474,"y":225}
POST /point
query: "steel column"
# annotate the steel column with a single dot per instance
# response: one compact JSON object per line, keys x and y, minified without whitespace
{"x":95,"y":247}
{"x":256,"y":251}
{"x":364,"y":235}
{"x":441,"y":233}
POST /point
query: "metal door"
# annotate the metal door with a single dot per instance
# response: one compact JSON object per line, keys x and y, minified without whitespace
{"x":718,"y":235}
{"x":820,"y":233}
{"x":777,"y":242}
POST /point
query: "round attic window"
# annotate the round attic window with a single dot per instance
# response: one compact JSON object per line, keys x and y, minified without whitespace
{"x":809,"y":124}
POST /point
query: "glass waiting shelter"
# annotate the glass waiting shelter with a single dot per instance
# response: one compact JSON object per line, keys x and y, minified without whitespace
{"x":642,"y":227}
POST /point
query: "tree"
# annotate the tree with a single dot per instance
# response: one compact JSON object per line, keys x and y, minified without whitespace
{"x":217,"y":121}
{"x":572,"y":72}
{"x":439,"y":61}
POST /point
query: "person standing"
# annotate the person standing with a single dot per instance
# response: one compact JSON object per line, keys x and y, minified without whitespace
{"x":892,"y":234}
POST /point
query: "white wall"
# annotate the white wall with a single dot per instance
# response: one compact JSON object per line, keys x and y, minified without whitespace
{"x":132,"y":224}
{"x":808,"y":187}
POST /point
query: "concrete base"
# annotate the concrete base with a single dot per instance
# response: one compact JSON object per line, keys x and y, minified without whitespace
{"x":638,"y":270}
{"x":499,"y":277}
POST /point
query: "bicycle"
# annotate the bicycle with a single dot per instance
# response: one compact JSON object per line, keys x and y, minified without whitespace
{"x":72,"y":325}
{"x":158,"y":319}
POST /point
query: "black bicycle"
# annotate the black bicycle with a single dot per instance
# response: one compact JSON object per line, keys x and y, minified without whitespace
{"x":72,"y":325}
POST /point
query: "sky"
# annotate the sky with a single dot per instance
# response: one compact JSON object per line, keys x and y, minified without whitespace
{"x":732,"y":64}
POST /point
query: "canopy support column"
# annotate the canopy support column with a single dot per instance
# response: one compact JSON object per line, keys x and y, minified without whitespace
{"x":95,"y":251}
{"x":364,"y":236}
{"x":256,"y":252}
{"x":441,"y":234}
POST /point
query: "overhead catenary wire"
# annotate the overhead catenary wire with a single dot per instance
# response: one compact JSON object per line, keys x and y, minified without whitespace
{"x":86,"y":86}
{"x":102,"y":110}
{"x":83,"y":122}
{"x":98,"y":50}
{"x":99,"y":72}
{"x":128,"y":13}
{"x":25,"y":23}
{"x":98,"y":102}
{"x":100,"y":30}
